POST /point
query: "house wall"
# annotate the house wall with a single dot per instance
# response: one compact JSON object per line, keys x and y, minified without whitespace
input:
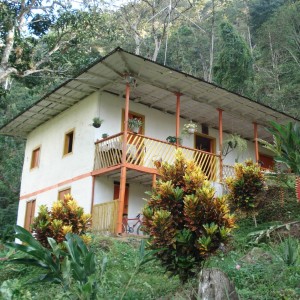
{"x":57,"y":172}
{"x":81,"y":190}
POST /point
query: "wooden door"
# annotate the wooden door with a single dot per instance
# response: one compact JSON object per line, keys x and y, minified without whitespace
{"x":117,"y":193}
{"x":266,"y":161}
{"x":135,"y":140}
{"x":29,"y":215}
{"x":208,"y":144}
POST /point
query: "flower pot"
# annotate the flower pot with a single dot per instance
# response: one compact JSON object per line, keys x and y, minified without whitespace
{"x":96,"y":125}
{"x":191,"y":130}
{"x":135,"y":129}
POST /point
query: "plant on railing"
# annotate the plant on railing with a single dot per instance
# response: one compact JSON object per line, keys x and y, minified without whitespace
{"x":234,"y":141}
{"x":184,"y":219}
{"x":134,"y":124}
{"x":189,"y":128}
{"x":245,"y":186}
{"x":64,"y":217}
{"x":173,"y":139}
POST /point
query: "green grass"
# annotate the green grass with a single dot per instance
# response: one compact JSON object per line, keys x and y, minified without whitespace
{"x":264,"y":279}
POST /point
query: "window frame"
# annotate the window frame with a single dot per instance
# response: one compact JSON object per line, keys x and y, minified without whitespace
{"x":35,"y":163}
{"x":67,"y":141}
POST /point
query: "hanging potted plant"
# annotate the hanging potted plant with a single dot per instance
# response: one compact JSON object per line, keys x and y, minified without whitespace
{"x":97,"y":122}
{"x":234,"y":141}
{"x":189,"y":128}
{"x":134,"y":124}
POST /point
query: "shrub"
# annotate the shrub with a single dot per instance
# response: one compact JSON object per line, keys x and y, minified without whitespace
{"x":65,"y":217}
{"x":245,"y":186}
{"x":184,"y":218}
{"x":76,"y":264}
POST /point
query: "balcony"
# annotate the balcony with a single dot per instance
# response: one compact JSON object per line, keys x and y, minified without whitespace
{"x":143,"y":152}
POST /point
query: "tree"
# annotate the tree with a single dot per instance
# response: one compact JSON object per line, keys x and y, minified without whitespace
{"x":185,"y":220}
{"x":234,"y":64}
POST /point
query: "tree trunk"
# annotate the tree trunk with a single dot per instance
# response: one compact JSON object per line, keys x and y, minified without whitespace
{"x":212,"y":41}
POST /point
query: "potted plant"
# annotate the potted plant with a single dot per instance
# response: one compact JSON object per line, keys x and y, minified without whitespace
{"x":234,"y":141}
{"x":172,"y":139}
{"x":134,"y":124}
{"x":189,"y":128}
{"x":104,"y":135}
{"x":97,"y":122}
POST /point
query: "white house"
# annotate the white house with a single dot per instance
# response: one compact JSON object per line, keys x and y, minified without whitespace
{"x":66,"y":154}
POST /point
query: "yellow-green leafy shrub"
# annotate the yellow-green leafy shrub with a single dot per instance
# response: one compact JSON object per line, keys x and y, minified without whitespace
{"x":245,"y":187}
{"x":184,"y":218}
{"x":64,"y":217}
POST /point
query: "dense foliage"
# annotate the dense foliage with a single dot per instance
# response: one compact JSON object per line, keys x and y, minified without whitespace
{"x":185,"y":220}
{"x":286,"y":144}
{"x":64,"y":217}
{"x":245,"y":187}
{"x":43,"y":45}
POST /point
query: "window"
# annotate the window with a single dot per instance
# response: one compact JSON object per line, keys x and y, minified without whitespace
{"x":64,"y":192}
{"x":35,"y":158}
{"x":69,"y":141}
{"x":29,"y":215}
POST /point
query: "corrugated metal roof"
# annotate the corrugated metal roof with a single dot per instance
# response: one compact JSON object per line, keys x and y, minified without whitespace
{"x":155,"y":87}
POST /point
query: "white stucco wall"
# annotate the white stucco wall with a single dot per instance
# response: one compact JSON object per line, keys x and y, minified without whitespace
{"x":54,"y":167}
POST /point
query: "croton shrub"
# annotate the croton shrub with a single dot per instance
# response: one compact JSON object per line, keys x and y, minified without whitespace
{"x":64,"y":217}
{"x":245,"y":187}
{"x":184,"y":219}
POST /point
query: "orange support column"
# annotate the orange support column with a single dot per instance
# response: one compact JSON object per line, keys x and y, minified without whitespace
{"x":177,"y":118}
{"x":123,"y":168}
{"x":221,"y":141}
{"x":256,"y":142}
{"x":153,"y":180}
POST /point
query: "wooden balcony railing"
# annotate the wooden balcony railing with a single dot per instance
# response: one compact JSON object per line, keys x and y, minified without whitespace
{"x":104,"y":217}
{"x":144,"y":151}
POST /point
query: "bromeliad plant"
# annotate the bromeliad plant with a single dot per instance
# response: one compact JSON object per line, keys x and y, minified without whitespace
{"x":65,"y":217}
{"x":245,"y":186}
{"x":184,"y":219}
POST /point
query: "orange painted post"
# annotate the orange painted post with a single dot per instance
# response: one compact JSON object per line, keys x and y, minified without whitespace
{"x":177,"y":118}
{"x":221,"y":141}
{"x":123,"y":168}
{"x":154,"y":180}
{"x":256,"y":141}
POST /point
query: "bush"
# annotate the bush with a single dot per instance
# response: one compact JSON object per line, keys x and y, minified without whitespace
{"x":184,"y":218}
{"x":245,"y":187}
{"x":65,"y":217}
